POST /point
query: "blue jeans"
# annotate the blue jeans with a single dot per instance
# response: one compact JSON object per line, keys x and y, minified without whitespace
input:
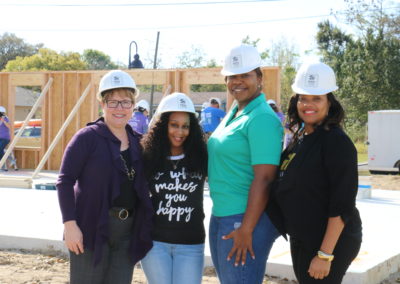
{"x":253,"y":271}
{"x":3,"y":144}
{"x":169,"y":263}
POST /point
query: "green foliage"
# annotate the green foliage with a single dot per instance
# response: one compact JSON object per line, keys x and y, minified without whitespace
{"x":368,"y":67}
{"x":362,"y":152}
{"x":193,"y":58}
{"x":97,"y":60}
{"x":47,"y":59}
{"x":11,"y":46}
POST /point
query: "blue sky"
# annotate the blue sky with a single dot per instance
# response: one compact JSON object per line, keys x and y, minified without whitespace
{"x":110,"y":25}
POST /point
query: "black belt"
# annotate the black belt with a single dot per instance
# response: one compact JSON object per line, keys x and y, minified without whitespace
{"x":121,"y":213}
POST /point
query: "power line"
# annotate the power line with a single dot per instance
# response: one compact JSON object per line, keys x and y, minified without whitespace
{"x":133,"y":4}
{"x":169,"y":27}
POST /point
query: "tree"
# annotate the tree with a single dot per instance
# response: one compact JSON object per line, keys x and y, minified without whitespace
{"x":97,"y":60}
{"x":11,"y":46}
{"x":47,"y":59}
{"x":193,"y":58}
{"x":285,"y":55}
{"x":367,"y":67}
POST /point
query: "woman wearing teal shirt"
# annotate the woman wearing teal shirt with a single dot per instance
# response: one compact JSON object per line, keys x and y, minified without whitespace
{"x":244,"y":152}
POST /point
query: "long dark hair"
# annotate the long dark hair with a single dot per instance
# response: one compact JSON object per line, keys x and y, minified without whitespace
{"x":335,"y":117}
{"x":157,"y":147}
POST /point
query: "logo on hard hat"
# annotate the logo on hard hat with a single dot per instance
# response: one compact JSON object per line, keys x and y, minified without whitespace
{"x":311,"y":80}
{"x":116,"y":80}
{"x":236,"y":61}
{"x":182,"y":103}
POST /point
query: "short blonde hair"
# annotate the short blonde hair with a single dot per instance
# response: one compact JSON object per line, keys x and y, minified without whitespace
{"x":106,"y":94}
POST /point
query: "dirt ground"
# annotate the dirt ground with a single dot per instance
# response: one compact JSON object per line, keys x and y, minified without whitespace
{"x":25,"y":267}
{"x":19,"y":266}
{"x":390,"y":182}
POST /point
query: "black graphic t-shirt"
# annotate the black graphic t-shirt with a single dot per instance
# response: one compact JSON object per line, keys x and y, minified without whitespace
{"x":177,"y":197}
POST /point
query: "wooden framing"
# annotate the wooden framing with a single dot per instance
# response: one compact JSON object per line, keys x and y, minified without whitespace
{"x":69,"y":85}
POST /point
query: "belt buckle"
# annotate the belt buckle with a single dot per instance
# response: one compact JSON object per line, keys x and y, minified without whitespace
{"x":123,"y":214}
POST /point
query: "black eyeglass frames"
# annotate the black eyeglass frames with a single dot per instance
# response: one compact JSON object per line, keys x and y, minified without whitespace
{"x":124,"y":104}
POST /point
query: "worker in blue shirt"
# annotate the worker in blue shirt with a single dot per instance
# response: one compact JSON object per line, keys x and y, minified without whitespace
{"x":212,"y":116}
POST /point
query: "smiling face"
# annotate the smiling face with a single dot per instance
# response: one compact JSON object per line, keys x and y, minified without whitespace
{"x":244,"y":87}
{"x":118,"y":117}
{"x":178,"y":131}
{"x":312,"y":109}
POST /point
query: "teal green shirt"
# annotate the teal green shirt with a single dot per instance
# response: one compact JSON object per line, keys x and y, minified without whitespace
{"x":252,"y":138}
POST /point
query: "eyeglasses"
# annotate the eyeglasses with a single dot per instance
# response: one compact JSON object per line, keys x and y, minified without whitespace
{"x":124,"y":104}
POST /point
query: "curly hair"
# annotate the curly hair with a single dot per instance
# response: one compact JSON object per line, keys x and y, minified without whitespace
{"x":157,"y":147}
{"x":335,"y":117}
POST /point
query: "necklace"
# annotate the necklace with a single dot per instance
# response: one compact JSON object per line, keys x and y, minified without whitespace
{"x":130,"y":173}
{"x":175,"y":163}
{"x":175,"y":160}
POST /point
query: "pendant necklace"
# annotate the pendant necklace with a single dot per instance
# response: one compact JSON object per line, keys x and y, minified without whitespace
{"x":175,"y":160}
{"x":130,"y":173}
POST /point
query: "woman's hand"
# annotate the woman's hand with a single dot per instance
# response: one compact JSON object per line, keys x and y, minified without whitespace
{"x":319,"y":268}
{"x":73,"y":237}
{"x":242,"y":243}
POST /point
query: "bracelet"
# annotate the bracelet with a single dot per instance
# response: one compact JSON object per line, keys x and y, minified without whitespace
{"x":325,"y":256}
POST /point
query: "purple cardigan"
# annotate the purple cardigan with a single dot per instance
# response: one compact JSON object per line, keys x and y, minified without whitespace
{"x":89,"y":180}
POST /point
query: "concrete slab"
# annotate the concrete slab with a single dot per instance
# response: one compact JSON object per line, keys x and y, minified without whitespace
{"x":30,"y":219}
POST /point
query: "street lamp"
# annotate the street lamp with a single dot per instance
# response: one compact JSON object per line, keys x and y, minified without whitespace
{"x":136,"y":62}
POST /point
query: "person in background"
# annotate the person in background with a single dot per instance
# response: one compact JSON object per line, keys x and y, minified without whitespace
{"x":139,"y":120}
{"x":212,"y":116}
{"x":276,"y":109}
{"x":175,"y":156}
{"x":102,"y":191}
{"x":4,"y":133}
{"x":244,"y":152}
{"x":313,"y":199}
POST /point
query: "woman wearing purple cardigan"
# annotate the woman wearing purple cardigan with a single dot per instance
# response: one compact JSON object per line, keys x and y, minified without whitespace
{"x":103,"y":196}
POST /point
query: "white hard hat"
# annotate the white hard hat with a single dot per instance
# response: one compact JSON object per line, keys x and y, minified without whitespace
{"x":143,"y":104}
{"x":176,"y":102}
{"x":3,"y":109}
{"x":241,"y":59}
{"x":271,"y":102}
{"x":205,"y":105}
{"x":215,"y":100}
{"x":314,"y":79}
{"x":171,"y":103}
{"x":117,"y":79}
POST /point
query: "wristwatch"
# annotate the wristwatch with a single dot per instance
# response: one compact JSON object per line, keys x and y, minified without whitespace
{"x":325,"y":256}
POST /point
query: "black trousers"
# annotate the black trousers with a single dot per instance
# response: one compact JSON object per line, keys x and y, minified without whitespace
{"x":115,"y":266}
{"x":345,"y":251}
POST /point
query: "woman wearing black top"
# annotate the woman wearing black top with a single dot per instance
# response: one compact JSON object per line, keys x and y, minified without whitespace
{"x":175,"y":157}
{"x":313,"y":199}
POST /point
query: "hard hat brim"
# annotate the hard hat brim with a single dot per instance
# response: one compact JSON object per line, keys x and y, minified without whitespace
{"x":238,"y":71}
{"x":313,"y":91}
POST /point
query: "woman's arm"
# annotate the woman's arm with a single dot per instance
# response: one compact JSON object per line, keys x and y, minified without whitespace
{"x":257,"y":201}
{"x":319,"y":268}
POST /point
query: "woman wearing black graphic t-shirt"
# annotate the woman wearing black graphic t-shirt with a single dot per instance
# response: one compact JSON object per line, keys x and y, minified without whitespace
{"x":313,"y":199}
{"x":176,"y":163}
